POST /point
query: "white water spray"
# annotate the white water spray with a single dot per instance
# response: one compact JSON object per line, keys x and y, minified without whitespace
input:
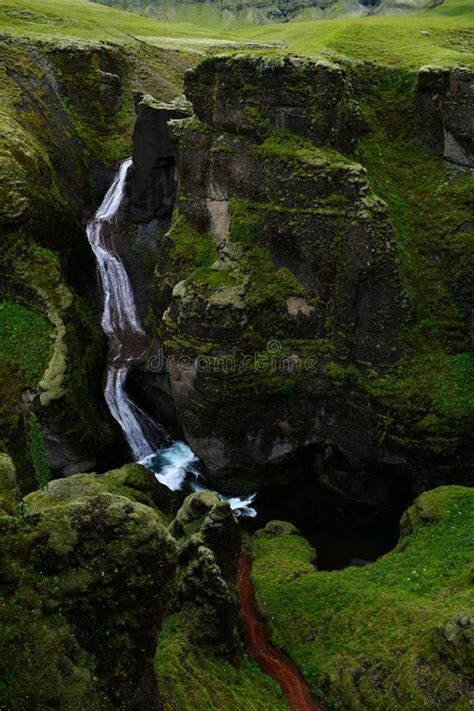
{"x":120,"y":319}
{"x":176,"y":464}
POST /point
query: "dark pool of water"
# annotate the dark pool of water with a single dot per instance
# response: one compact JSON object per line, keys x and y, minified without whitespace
{"x":342,"y":532}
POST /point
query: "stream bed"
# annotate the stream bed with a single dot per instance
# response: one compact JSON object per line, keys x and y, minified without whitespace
{"x":271,"y":660}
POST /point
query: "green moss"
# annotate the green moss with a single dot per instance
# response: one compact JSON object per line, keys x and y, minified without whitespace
{"x":429,"y":202}
{"x":192,"y":677}
{"x":25,"y":343}
{"x":76,"y":559}
{"x":373,"y":637}
{"x":199,"y":254}
{"x":295,"y":149}
{"x":266,"y":281}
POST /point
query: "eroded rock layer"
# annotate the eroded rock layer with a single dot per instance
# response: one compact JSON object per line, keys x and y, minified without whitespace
{"x":280,"y":282}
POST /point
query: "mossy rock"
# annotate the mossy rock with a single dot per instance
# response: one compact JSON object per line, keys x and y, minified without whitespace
{"x":88,"y":570}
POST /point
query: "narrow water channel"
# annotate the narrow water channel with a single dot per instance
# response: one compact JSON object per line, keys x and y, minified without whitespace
{"x":271,"y":660}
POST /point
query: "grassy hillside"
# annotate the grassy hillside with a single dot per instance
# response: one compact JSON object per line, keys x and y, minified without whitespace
{"x":239,"y":13}
{"x":391,"y":635}
{"x":83,"y":20}
{"x":442,"y":36}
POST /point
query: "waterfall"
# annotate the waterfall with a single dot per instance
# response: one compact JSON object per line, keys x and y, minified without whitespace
{"x":120,"y":320}
{"x":177,"y":464}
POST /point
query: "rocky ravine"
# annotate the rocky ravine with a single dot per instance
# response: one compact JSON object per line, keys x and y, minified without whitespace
{"x":67,"y":117}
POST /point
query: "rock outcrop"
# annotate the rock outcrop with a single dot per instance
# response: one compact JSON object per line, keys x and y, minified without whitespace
{"x":208,"y":537}
{"x":91,"y":566}
{"x":445,"y":112}
{"x":154,"y":181}
{"x":286,"y":295}
{"x":88,"y":568}
{"x":313,"y":99}
{"x":280,"y":269}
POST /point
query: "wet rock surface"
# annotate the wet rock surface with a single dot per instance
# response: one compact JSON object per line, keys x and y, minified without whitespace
{"x":445,"y":112}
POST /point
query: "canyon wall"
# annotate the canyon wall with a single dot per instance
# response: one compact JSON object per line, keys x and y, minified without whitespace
{"x":67,"y":117}
{"x":283,"y":281}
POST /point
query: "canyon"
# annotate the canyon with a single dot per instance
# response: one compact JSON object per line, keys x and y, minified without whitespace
{"x":236,"y":318}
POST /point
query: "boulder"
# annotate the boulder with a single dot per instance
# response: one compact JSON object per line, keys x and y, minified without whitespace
{"x":208,"y":536}
{"x":88,"y":573}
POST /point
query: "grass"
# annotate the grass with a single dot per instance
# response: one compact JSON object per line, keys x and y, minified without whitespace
{"x":191,"y":678}
{"x":444,"y":35}
{"x":26,"y":342}
{"x":82,"y":20}
{"x":370,"y":637}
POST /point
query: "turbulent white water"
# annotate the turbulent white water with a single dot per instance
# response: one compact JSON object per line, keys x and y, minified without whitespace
{"x":120,"y":319}
{"x":176,"y":464}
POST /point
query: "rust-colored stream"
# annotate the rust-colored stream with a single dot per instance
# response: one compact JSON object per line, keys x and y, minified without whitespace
{"x":271,"y":660}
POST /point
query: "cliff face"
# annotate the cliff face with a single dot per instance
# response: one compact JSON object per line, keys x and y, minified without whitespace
{"x":280,"y":295}
{"x":445,"y":108}
{"x":230,"y":12}
{"x":67,"y":114}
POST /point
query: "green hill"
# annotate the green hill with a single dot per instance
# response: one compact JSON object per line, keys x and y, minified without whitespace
{"x":444,"y":35}
{"x":233,"y":13}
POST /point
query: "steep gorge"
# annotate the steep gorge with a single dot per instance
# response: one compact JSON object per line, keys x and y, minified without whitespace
{"x":310,"y":324}
{"x":67,"y":116}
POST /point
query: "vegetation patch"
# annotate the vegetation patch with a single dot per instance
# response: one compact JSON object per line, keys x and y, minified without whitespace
{"x":26,"y":342}
{"x":194,"y":677}
{"x":377,"y":636}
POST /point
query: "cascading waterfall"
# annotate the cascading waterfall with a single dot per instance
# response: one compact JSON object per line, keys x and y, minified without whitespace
{"x":120,"y":320}
{"x":176,"y":464}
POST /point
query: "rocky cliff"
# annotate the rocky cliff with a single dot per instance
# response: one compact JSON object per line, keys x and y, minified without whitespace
{"x":445,"y":110}
{"x":283,"y":287}
{"x":67,"y":116}
{"x":98,"y":569}
{"x":230,"y":12}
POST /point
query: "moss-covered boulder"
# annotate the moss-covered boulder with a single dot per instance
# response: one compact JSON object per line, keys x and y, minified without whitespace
{"x":396,"y":633}
{"x":208,"y":537}
{"x":88,"y":566}
{"x":200,"y":661}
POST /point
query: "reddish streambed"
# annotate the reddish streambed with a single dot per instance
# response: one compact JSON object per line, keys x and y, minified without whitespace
{"x":271,"y":660}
